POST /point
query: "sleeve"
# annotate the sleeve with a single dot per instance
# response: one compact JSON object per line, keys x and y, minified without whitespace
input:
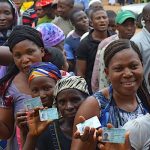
{"x":82,"y":51}
{"x":69,"y":52}
{"x":139,"y":134}
{"x":95,"y":80}
{"x":7,"y":101}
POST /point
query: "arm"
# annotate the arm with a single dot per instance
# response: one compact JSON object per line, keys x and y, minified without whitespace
{"x":5,"y":56}
{"x":36,"y":128}
{"x":88,"y":109}
{"x":95,"y":79}
{"x":81,"y":66}
{"x":6,"y":123}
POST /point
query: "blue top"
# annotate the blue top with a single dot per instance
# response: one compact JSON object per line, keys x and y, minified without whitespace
{"x":84,"y":2}
{"x":111,"y":113}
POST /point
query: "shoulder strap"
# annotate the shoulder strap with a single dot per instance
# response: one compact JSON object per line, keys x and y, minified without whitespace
{"x":105,"y":112}
{"x":55,"y":139}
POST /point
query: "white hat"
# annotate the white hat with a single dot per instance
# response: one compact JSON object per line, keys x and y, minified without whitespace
{"x":93,"y":1}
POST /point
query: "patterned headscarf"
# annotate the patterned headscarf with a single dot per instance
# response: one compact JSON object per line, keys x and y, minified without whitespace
{"x":71,"y":82}
{"x":44,"y":69}
{"x":51,"y":34}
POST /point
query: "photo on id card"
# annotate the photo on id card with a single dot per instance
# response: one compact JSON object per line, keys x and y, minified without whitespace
{"x":113,"y":135}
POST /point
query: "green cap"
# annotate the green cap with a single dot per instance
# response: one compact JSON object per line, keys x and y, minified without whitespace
{"x":123,"y":16}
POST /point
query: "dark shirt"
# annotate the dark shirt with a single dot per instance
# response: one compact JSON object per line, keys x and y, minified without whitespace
{"x":48,"y":140}
{"x":87,"y":51}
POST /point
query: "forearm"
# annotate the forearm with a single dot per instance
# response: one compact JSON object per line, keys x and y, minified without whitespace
{"x":5,"y":131}
{"x":23,"y":136}
{"x":30,"y":143}
{"x":5,"y":53}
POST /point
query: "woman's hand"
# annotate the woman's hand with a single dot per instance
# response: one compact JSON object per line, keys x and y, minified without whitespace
{"x":113,"y":146}
{"x":21,"y":120}
{"x":36,"y":127}
{"x":88,"y":137}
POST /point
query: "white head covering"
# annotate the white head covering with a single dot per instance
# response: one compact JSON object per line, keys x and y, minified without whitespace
{"x":93,"y":1}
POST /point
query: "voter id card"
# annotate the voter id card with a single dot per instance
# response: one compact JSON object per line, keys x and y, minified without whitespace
{"x":92,"y":123}
{"x":113,"y":135}
{"x":48,"y":114}
{"x":33,"y":103}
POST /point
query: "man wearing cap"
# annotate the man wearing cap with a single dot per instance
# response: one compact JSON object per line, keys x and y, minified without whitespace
{"x":142,"y":39}
{"x":126,"y":26}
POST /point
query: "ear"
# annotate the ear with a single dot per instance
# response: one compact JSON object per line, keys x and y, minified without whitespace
{"x":106,"y":72}
{"x":42,"y":51}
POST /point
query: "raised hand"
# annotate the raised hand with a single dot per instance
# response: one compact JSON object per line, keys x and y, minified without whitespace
{"x":36,"y":127}
{"x":88,"y":138}
{"x":21,"y":120}
{"x":113,"y":146}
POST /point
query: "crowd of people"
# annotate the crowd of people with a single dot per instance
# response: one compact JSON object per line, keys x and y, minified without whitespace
{"x":81,"y":59}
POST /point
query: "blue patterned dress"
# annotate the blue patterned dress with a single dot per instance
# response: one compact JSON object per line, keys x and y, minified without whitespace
{"x":110,"y":113}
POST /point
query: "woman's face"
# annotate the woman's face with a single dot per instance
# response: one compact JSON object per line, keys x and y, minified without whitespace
{"x":6,"y":16}
{"x":68,"y":102}
{"x":125,"y":72}
{"x":43,"y":87}
{"x":25,"y":53}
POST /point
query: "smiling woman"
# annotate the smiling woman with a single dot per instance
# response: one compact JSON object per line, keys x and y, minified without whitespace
{"x":125,"y":99}
{"x":8,"y":18}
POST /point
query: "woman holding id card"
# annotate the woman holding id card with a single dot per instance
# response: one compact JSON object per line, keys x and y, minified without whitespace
{"x":125,"y":99}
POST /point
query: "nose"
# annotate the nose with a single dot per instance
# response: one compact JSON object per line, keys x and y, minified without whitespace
{"x":42,"y":94}
{"x":24,"y":59}
{"x":59,"y":9}
{"x":2,"y":17}
{"x":127,"y":73}
{"x":69,"y":106}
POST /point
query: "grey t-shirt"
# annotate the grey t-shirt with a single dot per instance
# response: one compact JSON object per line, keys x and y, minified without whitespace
{"x":139,"y":130}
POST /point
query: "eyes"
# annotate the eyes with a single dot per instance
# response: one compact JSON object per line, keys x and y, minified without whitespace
{"x":18,"y":55}
{"x":120,"y":68}
{"x":46,"y":88}
{"x":63,"y":101}
{"x":7,"y":12}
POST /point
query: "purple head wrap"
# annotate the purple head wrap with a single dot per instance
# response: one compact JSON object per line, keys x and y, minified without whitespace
{"x":51,"y":34}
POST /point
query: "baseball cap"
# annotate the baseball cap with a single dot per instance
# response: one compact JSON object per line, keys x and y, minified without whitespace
{"x":44,"y":3}
{"x":124,"y":15}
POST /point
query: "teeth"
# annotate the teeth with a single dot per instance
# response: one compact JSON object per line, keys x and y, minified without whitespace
{"x":128,"y":83}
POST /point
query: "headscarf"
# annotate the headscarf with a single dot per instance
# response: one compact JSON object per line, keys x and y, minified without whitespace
{"x":51,"y":34}
{"x":44,"y":69}
{"x":24,"y":32}
{"x":71,"y":82}
{"x":94,"y":1}
{"x":15,"y":13}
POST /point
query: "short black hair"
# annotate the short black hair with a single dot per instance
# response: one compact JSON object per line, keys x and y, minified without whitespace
{"x":93,"y":11}
{"x":72,"y":14}
{"x":111,"y":14}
